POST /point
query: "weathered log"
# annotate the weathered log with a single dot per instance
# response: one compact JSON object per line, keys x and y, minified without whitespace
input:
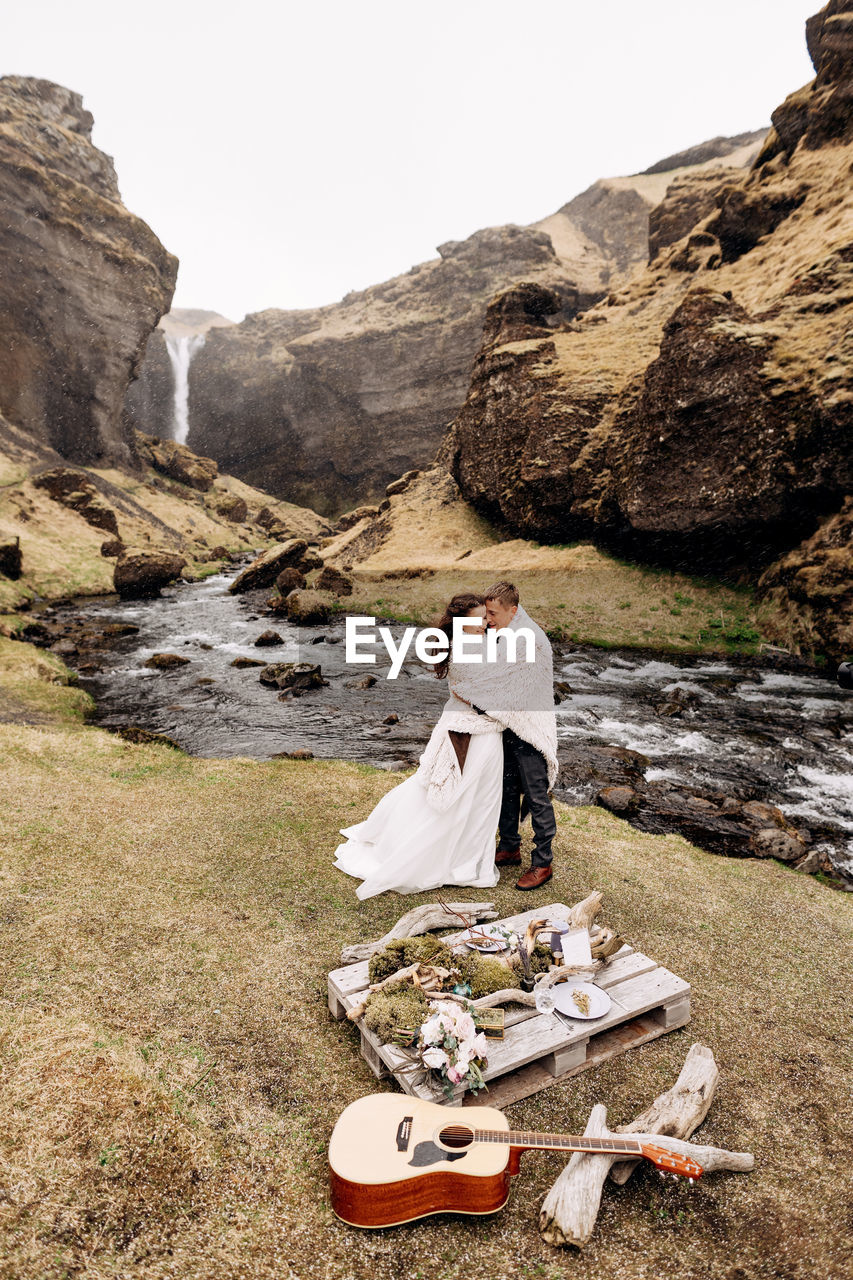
{"x":571,"y":1207}
{"x":432,"y":915}
{"x":681,"y":1110}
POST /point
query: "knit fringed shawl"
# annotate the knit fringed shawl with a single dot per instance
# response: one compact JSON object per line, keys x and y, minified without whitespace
{"x":515,"y":695}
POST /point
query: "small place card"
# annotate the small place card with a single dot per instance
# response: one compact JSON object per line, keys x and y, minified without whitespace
{"x":576,"y":948}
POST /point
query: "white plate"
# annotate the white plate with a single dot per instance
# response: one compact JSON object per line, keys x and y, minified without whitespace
{"x":599,"y":1001}
{"x":499,"y":942}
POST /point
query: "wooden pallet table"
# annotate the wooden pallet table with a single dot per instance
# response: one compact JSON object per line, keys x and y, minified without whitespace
{"x":538,"y":1049}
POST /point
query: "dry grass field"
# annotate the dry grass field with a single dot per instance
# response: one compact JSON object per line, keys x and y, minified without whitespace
{"x":171,"y":1074}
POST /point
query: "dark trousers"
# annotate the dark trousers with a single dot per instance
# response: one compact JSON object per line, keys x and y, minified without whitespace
{"x":525,"y":771}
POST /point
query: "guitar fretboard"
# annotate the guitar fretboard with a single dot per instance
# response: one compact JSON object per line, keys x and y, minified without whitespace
{"x":559,"y":1141}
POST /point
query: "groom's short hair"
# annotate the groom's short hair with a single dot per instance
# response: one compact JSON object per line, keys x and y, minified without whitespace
{"x":505,"y":592}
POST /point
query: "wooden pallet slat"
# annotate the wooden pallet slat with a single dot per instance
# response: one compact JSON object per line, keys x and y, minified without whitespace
{"x":539,"y":1049}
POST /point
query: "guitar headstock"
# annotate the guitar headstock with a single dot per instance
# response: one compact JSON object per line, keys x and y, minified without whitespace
{"x":671,"y":1162}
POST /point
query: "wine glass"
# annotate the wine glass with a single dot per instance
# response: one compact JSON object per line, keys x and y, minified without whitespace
{"x":544,"y":999}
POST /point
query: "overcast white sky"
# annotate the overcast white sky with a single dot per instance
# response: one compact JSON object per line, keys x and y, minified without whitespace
{"x":291,"y":150}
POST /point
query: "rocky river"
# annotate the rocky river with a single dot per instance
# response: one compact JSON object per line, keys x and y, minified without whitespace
{"x":697,"y":745}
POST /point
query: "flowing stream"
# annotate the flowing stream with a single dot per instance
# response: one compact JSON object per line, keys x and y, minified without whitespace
{"x":751,"y":731}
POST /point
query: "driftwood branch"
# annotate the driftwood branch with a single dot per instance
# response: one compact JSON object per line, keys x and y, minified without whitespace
{"x":681,"y":1110}
{"x":571,"y":1207}
{"x":423,"y":919}
{"x":429,"y":977}
{"x":583,"y":913}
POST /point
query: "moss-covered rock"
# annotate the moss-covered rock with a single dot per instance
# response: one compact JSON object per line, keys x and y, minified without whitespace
{"x":400,"y":952}
{"x":400,"y":1005}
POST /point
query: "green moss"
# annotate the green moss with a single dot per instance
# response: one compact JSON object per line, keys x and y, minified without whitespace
{"x":400,"y":952}
{"x":400,"y":1005}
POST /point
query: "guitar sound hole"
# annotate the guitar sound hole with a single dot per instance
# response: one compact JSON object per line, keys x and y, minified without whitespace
{"x":456,"y":1136}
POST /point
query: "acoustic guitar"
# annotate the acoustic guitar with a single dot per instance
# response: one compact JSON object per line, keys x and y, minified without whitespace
{"x":393,"y":1159}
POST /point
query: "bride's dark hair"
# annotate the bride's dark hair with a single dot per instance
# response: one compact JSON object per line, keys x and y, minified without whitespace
{"x":458,"y":607}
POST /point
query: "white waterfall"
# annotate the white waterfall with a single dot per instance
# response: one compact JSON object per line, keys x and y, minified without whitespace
{"x":181,"y":351}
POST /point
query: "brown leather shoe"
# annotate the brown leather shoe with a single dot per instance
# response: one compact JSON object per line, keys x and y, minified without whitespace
{"x":534,"y":878}
{"x":508,"y":858}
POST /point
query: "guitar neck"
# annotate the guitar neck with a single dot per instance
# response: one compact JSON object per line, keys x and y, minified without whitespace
{"x":530,"y":1139}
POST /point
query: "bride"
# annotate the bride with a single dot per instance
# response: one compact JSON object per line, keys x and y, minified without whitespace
{"x":438,"y":826}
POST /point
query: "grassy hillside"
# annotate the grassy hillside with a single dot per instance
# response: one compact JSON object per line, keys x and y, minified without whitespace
{"x":171,"y":1073}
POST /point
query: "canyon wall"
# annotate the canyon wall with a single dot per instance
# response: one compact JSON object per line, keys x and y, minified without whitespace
{"x":325,"y":406}
{"x":701,"y":415}
{"x":83,"y":284}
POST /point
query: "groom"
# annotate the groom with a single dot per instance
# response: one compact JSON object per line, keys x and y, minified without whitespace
{"x":525,"y":766}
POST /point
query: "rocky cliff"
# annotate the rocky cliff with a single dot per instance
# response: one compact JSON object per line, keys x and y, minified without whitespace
{"x":700,"y":415}
{"x":83,"y":283}
{"x":326,"y":406}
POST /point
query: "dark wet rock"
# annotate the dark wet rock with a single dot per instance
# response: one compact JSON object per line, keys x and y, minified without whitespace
{"x":37,"y":633}
{"x":711,"y":820}
{"x":177,"y":462}
{"x":618,"y":799}
{"x":166,"y":661}
{"x":290,"y":579}
{"x":301,"y":753}
{"x":307,"y":608}
{"x":366,"y":682}
{"x":562,"y":690}
{"x":393,"y":718}
{"x":292,"y":675}
{"x":10,"y":558}
{"x":142,"y":574}
{"x":585,"y":767}
{"x":241,"y":663}
{"x":268,"y":638}
{"x":114,"y":630}
{"x":112,"y":548}
{"x":335,"y":580}
{"x":143,"y":737}
{"x":219,"y":553}
{"x":263,"y":571}
{"x":676,"y":703}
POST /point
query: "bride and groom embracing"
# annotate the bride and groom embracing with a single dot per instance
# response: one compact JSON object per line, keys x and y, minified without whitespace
{"x":496,"y":739}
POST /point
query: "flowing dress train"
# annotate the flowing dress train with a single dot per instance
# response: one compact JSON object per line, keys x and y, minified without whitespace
{"x":408,"y":845}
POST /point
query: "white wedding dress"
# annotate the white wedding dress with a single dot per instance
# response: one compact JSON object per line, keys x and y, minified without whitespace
{"x":409,"y":845}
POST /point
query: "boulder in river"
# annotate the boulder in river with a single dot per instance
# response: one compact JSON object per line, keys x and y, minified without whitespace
{"x":166,"y":661}
{"x":268,"y":638}
{"x":241,"y":663}
{"x":307,"y":608}
{"x":264,"y":571}
{"x":292,"y":675}
{"x":143,"y":573}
